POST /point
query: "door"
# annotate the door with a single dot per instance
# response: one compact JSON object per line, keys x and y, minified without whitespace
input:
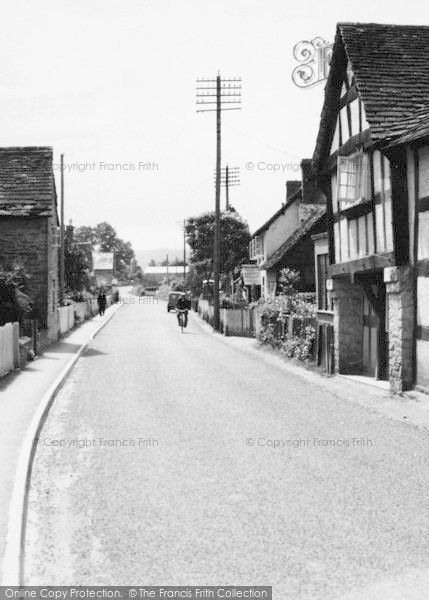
{"x":375,"y":331}
{"x":370,"y":337}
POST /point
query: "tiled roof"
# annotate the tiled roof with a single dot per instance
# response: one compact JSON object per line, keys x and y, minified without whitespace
{"x":390,"y":63}
{"x":317,"y":214}
{"x":418,"y":129}
{"x":27,"y":186}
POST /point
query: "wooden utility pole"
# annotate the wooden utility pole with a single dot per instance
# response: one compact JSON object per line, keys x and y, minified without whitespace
{"x":227,"y":187}
{"x":216,"y":250}
{"x":229,"y":176}
{"x":166,"y":262}
{"x":226,"y":91}
{"x":62,"y":248}
{"x":184,"y":250}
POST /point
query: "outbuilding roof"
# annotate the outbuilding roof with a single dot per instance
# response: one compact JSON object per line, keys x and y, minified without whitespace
{"x":27,"y":186}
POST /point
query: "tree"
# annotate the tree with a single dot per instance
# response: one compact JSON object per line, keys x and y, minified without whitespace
{"x":106,"y":237}
{"x":177,"y":262}
{"x":103,"y":238}
{"x":234,"y":235}
{"x":152,"y":263}
{"x":194,"y":280}
{"x":85,"y":234}
{"x":76,"y":268}
{"x":15,"y":303}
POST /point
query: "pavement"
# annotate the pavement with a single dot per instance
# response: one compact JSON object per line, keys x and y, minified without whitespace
{"x":194,"y":459}
{"x":21,"y":393}
{"x":410,"y":407}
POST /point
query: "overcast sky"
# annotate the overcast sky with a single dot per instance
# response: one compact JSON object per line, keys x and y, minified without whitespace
{"x":113,"y":82}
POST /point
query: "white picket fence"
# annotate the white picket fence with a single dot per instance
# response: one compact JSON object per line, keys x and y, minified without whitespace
{"x":9,"y":348}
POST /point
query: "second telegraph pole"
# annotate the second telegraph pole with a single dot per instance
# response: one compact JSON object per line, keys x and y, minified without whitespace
{"x":226,"y":91}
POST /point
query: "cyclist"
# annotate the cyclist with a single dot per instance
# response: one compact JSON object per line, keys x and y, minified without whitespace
{"x":182,"y":306}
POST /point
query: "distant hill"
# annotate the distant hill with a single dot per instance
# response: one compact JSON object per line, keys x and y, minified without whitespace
{"x":157,"y":254}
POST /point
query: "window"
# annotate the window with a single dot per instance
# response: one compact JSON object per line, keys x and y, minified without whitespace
{"x":353,"y":180}
{"x":322,"y":276}
{"x":55,"y":236}
{"x":256,"y":246}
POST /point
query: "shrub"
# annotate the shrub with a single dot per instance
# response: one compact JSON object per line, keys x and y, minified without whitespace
{"x":276,"y":312}
{"x":15,"y":303}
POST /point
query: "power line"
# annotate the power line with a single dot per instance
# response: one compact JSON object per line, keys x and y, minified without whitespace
{"x":230,"y":176}
{"x":228,"y":97}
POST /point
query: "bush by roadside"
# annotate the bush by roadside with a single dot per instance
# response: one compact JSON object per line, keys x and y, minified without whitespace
{"x":287,"y":322}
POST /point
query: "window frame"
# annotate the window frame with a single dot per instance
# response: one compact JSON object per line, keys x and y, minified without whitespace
{"x":358,"y":180}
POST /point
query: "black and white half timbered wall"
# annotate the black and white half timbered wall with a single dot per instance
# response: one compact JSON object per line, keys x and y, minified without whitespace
{"x":376,"y":180}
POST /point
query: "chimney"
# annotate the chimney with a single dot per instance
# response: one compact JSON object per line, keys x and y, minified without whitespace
{"x":69,"y":235}
{"x":291,"y":188}
{"x":311,"y":194}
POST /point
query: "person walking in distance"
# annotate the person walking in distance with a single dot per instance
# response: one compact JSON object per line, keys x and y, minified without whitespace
{"x":101,"y":300}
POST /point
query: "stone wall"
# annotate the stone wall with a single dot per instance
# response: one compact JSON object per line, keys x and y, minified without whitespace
{"x":400,"y":295}
{"x":28,"y":240}
{"x":348,"y":326}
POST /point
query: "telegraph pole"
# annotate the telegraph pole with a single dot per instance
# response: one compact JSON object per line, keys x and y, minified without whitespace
{"x":230,"y":176}
{"x":227,"y":186}
{"x":226,"y":92}
{"x":166,"y":262}
{"x":62,"y":248}
{"x":184,"y":250}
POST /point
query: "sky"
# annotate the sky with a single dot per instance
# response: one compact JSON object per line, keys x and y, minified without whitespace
{"x":112,"y":85}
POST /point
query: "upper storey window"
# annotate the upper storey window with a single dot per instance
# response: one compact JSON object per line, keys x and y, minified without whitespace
{"x":353,"y":180}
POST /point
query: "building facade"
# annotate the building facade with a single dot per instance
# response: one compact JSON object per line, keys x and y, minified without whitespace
{"x":29,"y":227}
{"x":376,"y":180}
{"x":285,"y":239}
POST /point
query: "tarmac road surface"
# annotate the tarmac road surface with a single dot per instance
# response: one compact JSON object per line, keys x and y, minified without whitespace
{"x":175,"y":459}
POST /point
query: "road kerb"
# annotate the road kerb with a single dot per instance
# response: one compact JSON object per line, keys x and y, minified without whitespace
{"x":13,"y":564}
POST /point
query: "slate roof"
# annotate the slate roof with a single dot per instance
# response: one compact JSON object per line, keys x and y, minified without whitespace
{"x":27,"y":186}
{"x":390,"y":64}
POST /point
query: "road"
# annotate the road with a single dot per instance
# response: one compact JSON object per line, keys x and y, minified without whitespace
{"x":178,"y":459}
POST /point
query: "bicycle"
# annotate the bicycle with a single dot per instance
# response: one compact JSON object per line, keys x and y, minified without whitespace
{"x":181,"y":319}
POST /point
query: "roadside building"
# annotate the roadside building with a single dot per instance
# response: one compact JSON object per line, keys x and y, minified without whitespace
{"x":154,"y":276}
{"x":372,"y":163}
{"x":285,"y":239}
{"x":247,"y":284}
{"x":103,"y":266}
{"x":29,"y":227}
